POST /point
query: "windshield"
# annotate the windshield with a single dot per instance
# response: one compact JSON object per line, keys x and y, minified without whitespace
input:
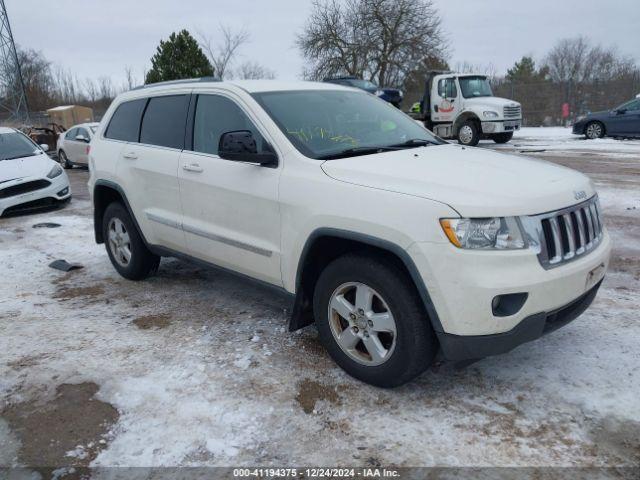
{"x":475,"y":87}
{"x":15,"y":145}
{"x":364,"y":85}
{"x":323,"y":123}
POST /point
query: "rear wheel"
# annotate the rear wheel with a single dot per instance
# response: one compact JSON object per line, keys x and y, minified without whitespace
{"x":468,"y":134}
{"x":372,"y":322}
{"x":502,"y":137}
{"x":127,"y":251}
{"x":594,"y":130}
{"x":64,"y":160}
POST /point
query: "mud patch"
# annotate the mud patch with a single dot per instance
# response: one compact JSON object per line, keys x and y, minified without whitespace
{"x":73,"y":421}
{"x":310,"y":391}
{"x":27,"y":361}
{"x":620,"y":439}
{"x":148,"y":322}
{"x":70,"y":293}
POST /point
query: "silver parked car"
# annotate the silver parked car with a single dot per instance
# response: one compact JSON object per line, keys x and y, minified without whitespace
{"x":73,"y":145}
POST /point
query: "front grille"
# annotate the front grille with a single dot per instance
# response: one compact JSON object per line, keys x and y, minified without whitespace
{"x":25,"y":187}
{"x":512,"y":112}
{"x":570,"y":233}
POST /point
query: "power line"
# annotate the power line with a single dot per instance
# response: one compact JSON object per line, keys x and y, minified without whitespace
{"x":13,"y":98}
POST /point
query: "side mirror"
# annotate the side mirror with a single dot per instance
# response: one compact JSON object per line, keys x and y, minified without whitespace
{"x":81,"y":138}
{"x":621,"y":111}
{"x":240,"y":146}
{"x":44,"y":147}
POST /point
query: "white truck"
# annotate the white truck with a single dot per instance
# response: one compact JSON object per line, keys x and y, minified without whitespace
{"x":462,"y":106}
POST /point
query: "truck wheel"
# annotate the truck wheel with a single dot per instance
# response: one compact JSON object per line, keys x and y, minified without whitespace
{"x":468,"y":134}
{"x":127,"y":252}
{"x":502,"y":137}
{"x":594,"y":130}
{"x":372,"y":322}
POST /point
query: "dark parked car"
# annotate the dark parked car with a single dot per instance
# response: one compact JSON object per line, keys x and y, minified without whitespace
{"x":623,"y":121}
{"x":392,"y":95}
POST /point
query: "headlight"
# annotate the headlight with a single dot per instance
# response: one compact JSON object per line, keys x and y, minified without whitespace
{"x":501,"y":233}
{"x":490,"y":114}
{"x":55,"y":171}
{"x":580,"y":118}
{"x":379,"y":93}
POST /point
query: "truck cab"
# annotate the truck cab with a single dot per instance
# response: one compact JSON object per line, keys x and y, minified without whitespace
{"x":462,"y":106}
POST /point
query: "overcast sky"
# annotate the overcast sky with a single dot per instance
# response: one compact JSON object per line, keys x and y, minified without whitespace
{"x":101,"y":37}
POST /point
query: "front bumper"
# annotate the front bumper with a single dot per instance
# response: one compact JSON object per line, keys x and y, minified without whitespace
{"x":578,"y":128}
{"x":57,"y":192}
{"x":501,"y":126}
{"x":459,"y":347}
{"x":463,"y":283}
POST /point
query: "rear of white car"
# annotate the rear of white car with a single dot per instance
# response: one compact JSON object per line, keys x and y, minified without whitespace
{"x":29,"y":179}
{"x":73,"y":145}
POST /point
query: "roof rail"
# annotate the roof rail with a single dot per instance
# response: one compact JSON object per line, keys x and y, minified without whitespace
{"x":177,"y":82}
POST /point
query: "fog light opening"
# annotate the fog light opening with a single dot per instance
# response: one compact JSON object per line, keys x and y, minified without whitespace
{"x":63,"y":192}
{"x":508,"y":304}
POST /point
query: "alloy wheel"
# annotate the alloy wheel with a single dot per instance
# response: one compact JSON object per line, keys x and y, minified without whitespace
{"x":594,"y":130}
{"x":119,"y":242}
{"x":362,"y":323}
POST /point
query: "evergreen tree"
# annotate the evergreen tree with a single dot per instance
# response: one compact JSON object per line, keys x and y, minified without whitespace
{"x":523,"y":71}
{"x":178,"y":57}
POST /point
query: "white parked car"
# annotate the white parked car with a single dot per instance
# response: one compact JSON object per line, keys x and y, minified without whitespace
{"x":29,"y":179}
{"x":396,"y":244}
{"x":73,"y":145}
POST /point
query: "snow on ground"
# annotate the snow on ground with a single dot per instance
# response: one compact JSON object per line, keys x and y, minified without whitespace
{"x":203,"y":372}
{"x":561,"y":140}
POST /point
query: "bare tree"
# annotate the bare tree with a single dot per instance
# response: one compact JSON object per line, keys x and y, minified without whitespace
{"x":382,"y":40}
{"x":253,"y":71}
{"x":222,"y":54}
{"x":130,"y":81}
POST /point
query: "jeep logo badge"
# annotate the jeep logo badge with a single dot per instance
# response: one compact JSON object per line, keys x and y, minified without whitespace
{"x":580,"y":195}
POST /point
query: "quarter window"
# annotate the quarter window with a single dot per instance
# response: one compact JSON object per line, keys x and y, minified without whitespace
{"x":125,"y":122}
{"x":216,"y":115}
{"x":164,"y":121}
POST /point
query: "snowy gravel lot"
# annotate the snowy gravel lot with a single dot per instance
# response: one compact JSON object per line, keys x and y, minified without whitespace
{"x":195,"y":367}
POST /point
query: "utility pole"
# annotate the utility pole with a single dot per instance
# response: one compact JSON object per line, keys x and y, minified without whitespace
{"x":13,"y":98}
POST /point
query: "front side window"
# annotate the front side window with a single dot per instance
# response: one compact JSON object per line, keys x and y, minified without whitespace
{"x":16,"y":145}
{"x":447,"y":88}
{"x":71,"y":134}
{"x":475,"y":87}
{"x":216,"y":115}
{"x":125,"y":122}
{"x":633,"y":105}
{"x":164,"y":121}
{"x":322,"y":123}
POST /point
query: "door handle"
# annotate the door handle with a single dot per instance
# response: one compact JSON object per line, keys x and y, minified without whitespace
{"x":193,"y":167}
{"x":130,"y":156}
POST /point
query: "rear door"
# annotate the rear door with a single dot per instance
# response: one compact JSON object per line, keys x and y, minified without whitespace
{"x":148,"y":167}
{"x":69,"y":143}
{"x":81,"y":147}
{"x":231,"y":210}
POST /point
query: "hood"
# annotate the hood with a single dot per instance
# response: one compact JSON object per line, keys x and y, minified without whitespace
{"x":473,"y":181}
{"x":491,"y":103}
{"x":36,"y":166}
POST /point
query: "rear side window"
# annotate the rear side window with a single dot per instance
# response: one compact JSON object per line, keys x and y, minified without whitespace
{"x":125,"y":122}
{"x":71,"y":134}
{"x":164,"y":121}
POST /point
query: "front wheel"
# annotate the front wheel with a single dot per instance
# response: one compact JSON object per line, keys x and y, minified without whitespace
{"x":372,"y":322}
{"x":127,"y":251}
{"x":502,"y":137}
{"x":594,"y":130}
{"x":468,"y":134}
{"x":64,"y":160}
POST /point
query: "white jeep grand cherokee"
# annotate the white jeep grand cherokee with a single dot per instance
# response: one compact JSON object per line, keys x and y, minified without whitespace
{"x":396,"y":244}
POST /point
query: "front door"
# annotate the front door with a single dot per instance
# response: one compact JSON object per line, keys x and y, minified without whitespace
{"x":444,"y":100}
{"x":231,"y":211}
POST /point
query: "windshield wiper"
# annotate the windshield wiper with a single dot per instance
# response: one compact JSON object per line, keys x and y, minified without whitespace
{"x":415,"y":142}
{"x":21,"y":156}
{"x":352,"y":152}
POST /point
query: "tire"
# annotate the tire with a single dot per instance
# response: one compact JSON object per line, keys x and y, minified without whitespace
{"x":468,"y":134}
{"x":64,"y":160}
{"x":126,"y":249}
{"x":594,"y":130}
{"x":406,"y":353}
{"x":502,"y":137}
